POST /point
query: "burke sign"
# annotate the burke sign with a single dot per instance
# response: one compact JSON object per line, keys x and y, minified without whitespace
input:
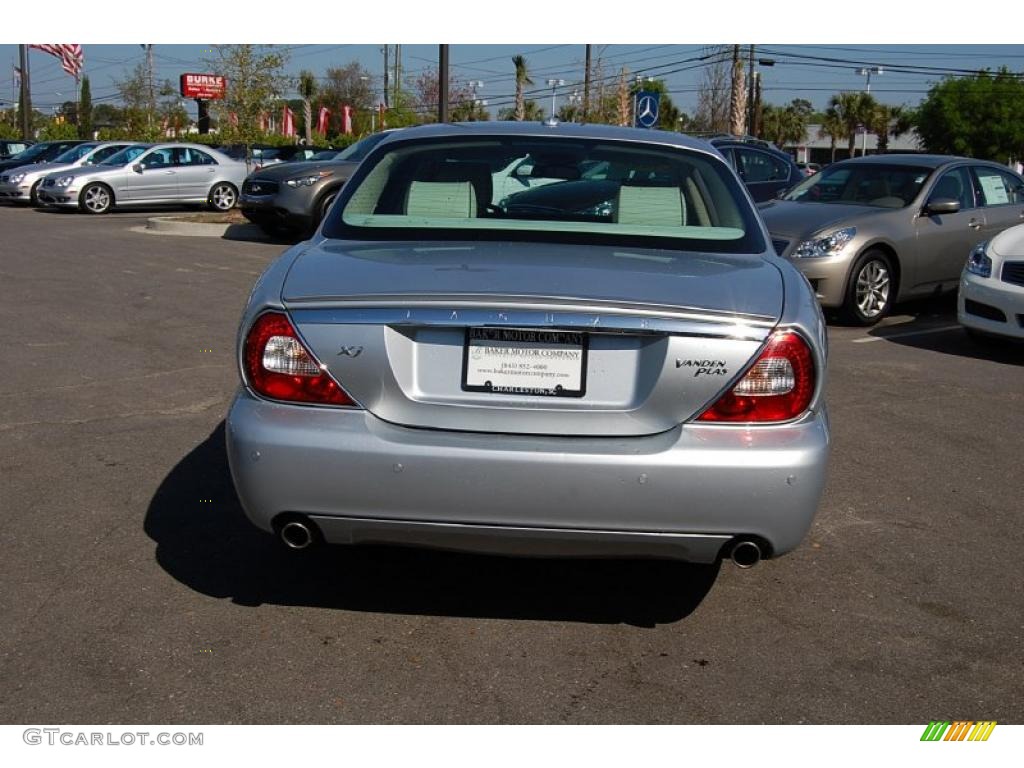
{"x":197,"y":86}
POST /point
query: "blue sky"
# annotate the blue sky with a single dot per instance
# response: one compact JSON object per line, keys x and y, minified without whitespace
{"x":661,"y":38}
{"x":811,"y":71}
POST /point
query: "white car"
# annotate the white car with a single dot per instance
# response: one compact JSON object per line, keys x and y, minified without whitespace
{"x":992,"y":286}
{"x":20,"y":184}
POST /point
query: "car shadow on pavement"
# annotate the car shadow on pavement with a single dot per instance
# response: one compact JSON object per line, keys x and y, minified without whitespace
{"x":932,"y":325}
{"x":253,"y":234}
{"x":204,"y":541}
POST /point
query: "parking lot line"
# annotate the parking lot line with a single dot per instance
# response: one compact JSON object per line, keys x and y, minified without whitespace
{"x":943,"y":329}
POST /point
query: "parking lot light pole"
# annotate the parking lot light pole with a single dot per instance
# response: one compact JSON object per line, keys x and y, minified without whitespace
{"x":867,"y":72}
{"x":555,"y":85}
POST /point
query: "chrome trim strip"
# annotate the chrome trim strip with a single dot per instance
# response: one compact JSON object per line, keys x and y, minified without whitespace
{"x":471,"y":314}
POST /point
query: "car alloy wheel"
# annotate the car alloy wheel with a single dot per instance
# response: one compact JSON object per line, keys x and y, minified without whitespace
{"x":223,"y":197}
{"x":96,"y":198}
{"x":870,"y":293}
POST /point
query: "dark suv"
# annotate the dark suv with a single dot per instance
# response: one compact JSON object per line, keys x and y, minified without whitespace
{"x":765,"y":170}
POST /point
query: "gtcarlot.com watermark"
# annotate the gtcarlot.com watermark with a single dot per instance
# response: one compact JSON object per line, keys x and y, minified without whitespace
{"x":69,"y":738}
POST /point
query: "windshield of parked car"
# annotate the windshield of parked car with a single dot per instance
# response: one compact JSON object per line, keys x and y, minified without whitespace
{"x":74,"y":154}
{"x":32,"y":152}
{"x":879,"y":186}
{"x":125,"y":156}
{"x":548,"y":189}
{"x":327,"y":154}
{"x":354,"y":153}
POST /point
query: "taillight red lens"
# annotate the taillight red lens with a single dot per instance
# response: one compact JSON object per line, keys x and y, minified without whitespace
{"x":778,"y":387}
{"x":277,"y":365}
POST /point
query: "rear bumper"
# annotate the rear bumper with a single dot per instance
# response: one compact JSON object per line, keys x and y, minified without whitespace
{"x":685,"y":493}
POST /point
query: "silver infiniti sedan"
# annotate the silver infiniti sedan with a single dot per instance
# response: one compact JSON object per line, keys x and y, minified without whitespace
{"x":159,"y":174}
{"x":21,"y":185}
{"x":614,"y":364}
{"x":872,"y":231}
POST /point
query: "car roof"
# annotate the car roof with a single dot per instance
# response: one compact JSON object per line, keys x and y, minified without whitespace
{"x":924,"y":161}
{"x":563,"y":130}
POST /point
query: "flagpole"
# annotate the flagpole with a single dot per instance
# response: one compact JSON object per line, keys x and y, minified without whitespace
{"x":26,"y":98}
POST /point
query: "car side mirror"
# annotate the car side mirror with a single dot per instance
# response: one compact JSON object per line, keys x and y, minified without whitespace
{"x":138,"y":167}
{"x":942,"y":205}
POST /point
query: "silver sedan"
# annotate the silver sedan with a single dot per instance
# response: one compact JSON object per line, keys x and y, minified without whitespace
{"x":614,"y":364}
{"x":21,"y":185}
{"x":160,"y":174}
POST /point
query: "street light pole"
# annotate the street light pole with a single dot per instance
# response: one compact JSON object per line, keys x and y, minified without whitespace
{"x":555,"y":84}
{"x":866,"y":72}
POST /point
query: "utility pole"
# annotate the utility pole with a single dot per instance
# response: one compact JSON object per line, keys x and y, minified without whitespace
{"x":750,"y":95}
{"x":442,"y":84}
{"x":398,"y":75}
{"x":387,"y":74}
{"x":586,"y":88}
{"x":152,"y":90}
{"x":26,"y":95}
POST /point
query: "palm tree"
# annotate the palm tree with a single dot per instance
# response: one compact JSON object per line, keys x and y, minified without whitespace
{"x":832,"y":127}
{"x":782,"y":125}
{"x":881,"y":123}
{"x":853,"y":109}
{"x":522,"y":79}
{"x":307,"y":90}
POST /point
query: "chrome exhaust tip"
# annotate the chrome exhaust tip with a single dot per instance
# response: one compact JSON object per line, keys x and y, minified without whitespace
{"x":296,"y":535}
{"x":746,"y":554}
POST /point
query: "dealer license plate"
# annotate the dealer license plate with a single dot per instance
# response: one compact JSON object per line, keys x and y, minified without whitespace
{"x":525,"y":361}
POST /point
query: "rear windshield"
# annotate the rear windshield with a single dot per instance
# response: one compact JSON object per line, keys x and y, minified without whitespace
{"x":878,"y":186}
{"x":547,"y":189}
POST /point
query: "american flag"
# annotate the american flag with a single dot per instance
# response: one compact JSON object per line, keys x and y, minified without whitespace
{"x":70,"y":54}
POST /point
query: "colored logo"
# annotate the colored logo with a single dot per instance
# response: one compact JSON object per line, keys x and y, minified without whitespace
{"x":958,"y":730}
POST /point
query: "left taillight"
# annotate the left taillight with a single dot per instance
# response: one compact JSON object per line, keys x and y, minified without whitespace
{"x":778,"y":387}
{"x":278,"y":365}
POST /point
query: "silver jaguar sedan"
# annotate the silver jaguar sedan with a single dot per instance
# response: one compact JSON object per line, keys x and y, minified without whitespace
{"x":620,"y":366}
{"x":159,"y":174}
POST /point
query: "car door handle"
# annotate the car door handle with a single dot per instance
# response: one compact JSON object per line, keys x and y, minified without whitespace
{"x":974,"y":224}
{"x":169,"y":173}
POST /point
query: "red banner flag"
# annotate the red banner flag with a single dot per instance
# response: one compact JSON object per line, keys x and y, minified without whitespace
{"x":321,"y":122}
{"x":287,"y":122}
{"x":383,"y":111}
{"x":346,"y":120}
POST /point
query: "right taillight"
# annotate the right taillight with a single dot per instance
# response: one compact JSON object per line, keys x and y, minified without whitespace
{"x":778,"y":387}
{"x":278,"y":365}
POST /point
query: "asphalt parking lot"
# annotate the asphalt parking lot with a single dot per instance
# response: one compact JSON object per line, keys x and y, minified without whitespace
{"x":134,"y":590}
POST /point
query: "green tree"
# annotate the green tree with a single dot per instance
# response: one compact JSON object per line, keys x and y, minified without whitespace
{"x":139,"y":116}
{"x":853,"y":109}
{"x":831,"y":126}
{"x":255,"y":84}
{"x":85,"y":110}
{"x":522,"y":80}
{"x":532,"y":112}
{"x":307,"y":90}
{"x":785,"y":125}
{"x":978,"y":116}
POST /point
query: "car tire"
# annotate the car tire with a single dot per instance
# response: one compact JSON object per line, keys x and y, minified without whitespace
{"x":321,"y":210}
{"x":33,"y":194}
{"x":96,"y":199}
{"x":222,"y":197}
{"x":870,"y":289}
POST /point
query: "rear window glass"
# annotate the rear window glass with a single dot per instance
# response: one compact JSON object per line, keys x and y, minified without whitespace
{"x":539,"y":188}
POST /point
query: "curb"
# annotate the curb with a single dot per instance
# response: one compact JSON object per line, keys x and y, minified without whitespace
{"x":168,"y":225}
